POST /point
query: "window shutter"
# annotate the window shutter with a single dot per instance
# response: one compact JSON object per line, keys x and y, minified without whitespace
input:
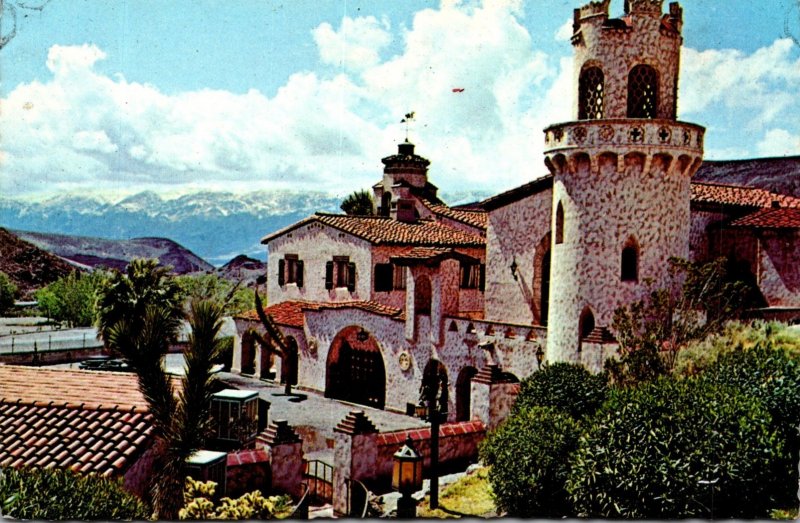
{"x":482,"y":282}
{"x":329,"y":275}
{"x":351,"y":277}
{"x":299,"y":274}
{"x":281,"y":272}
{"x":383,"y":277}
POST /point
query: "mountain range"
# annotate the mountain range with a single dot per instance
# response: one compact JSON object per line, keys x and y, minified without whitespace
{"x":216,"y":226}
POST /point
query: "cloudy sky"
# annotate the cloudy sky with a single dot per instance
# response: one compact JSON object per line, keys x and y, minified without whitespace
{"x":114,"y":97}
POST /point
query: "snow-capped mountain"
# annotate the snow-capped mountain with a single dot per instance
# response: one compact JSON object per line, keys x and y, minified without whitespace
{"x":215,"y":225}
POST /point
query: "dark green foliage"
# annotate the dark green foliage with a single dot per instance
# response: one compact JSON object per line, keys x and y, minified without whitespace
{"x":529,"y":455}
{"x":232,"y":297}
{"x":8,"y":291}
{"x":649,"y":448}
{"x":73,"y":298}
{"x":652,"y":331}
{"x":772,"y":376}
{"x":61,"y":494}
{"x":358,"y":203}
{"x":568,"y":387}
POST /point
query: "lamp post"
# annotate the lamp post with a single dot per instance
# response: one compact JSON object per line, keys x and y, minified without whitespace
{"x":539,"y":355}
{"x":434,"y":401}
{"x":407,"y":478}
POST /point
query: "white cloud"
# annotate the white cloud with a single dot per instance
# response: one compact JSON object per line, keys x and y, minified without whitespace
{"x":357,"y":43}
{"x":565,"y":32}
{"x":779,"y":142}
{"x":64,"y":59}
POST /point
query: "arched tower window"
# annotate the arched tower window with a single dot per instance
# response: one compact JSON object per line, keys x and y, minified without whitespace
{"x":585,"y":326}
{"x":591,"y":87}
{"x":642,"y":92}
{"x":559,"y":223}
{"x":629,"y":267}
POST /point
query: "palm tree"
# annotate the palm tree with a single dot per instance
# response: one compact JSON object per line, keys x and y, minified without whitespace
{"x":141,"y":322}
{"x":358,"y":203}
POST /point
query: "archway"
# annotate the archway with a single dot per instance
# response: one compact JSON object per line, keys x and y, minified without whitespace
{"x":541,"y":280}
{"x":248,"y":362}
{"x":289,"y":363}
{"x":355,"y":371}
{"x":464,"y":393}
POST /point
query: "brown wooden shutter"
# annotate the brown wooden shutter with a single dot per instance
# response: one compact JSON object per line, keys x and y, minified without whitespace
{"x":329,"y":275}
{"x":299,"y":273}
{"x":351,"y":277}
{"x":482,"y":283}
{"x":281,"y":272}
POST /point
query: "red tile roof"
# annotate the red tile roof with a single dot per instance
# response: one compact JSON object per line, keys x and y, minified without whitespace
{"x":739,"y":195}
{"x":781,"y":218}
{"x":476,"y":217}
{"x":380,"y":230}
{"x":429,"y":255}
{"x":291,"y":313}
{"x":82,"y":420}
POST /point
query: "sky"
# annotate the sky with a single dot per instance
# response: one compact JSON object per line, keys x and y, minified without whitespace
{"x":114,"y":97}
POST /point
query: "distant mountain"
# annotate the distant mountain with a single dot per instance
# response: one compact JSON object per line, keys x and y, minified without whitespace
{"x":29,"y":266}
{"x":242,"y":268}
{"x":217,"y":226}
{"x":116,"y":254}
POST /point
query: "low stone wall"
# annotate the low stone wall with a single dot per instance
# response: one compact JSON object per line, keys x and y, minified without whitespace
{"x":248,"y":470}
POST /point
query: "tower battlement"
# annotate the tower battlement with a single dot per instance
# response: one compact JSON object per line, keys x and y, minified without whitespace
{"x":598,"y":8}
{"x":649,"y":7}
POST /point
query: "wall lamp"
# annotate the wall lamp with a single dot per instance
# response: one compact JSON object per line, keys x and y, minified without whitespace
{"x":514,"y":268}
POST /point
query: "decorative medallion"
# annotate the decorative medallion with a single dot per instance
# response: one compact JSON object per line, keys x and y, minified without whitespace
{"x":579,"y":134}
{"x":606,"y":133}
{"x":637,"y":135}
{"x":687,"y":138}
{"x":664,"y":134}
{"x":558,"y":134}
{"x":404,"y":361}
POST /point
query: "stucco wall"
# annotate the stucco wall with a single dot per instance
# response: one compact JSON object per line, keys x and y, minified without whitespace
{"x":779,"y":267}
{"x":513,"y":234}
{"x":316,"y":244}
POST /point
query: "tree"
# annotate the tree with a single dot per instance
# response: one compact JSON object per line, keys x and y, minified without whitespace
{"x":232,"y":297}
{"x":567,"y":387}
{"x":73,"y":298}
{"x":139,"y":316}
{"x":8,"y":291}
{"x":39,"y":494}
{"x":529,"y":459}
{"x":253,"y":505}
{"x":358,"y":203}
{"x":672,"y":448}
{"x":651,"y":331}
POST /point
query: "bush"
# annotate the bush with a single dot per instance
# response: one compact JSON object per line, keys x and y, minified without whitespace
{"x":8,"y":291}
{"x":198,"y":495}
{"x":62,"y":494}
{"x":649,"y":448}
{"x":529,"y":459}
{"x":568,"y":387}
{"x":72,"y":299}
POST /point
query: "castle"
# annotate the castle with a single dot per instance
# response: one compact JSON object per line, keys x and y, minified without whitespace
{"x":495,"y":289}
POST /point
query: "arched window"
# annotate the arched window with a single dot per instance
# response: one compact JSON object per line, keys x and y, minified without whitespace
{"x":386,"y":203}
{"x":629,"y":267}
{"x":559,"y":223}
{"x":642,"y":92}
{"x":590,"y":94}
{"x":585,"y":326}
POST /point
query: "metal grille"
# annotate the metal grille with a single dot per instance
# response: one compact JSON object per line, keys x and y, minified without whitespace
{"x":591,"y":91}
{"x":642,"y":92}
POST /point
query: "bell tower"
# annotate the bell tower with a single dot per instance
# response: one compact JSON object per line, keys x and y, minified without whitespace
{"x":622,"y":172}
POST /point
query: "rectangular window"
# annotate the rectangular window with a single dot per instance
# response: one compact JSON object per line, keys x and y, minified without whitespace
{"x":470,"y":275}
{"x":290,"y":270}
{"x":342,"y":271}
{"x":383,"y":277}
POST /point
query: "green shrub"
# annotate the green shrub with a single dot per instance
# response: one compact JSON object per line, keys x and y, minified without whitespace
{"x":8,"y":291}
{"x":529,"y":459}
{"x":649,"y":449}
{"x":62,"y":494}
{"x":72,"y":299}
{"x":568,"y":387}
{"x":198,"y":496}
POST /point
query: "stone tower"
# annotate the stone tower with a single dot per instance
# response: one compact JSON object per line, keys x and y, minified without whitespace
{"x":622,"y":173}
{"x":405,"y":175}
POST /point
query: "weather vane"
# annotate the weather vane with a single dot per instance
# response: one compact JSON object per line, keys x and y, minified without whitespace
{"x":407,"y":120}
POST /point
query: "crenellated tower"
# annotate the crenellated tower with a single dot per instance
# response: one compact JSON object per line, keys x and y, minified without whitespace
{"x":622,"y":172}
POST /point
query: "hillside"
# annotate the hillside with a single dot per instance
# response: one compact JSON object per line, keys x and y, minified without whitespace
{"x":242,"y":268}
{"x":29,"y":266}
{"x":780,"y":175}
{"x":116,"y":254}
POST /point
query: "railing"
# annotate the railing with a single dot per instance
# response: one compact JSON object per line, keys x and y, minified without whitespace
{"x":357,"y":498}
{"x":62,"y":341}
{"x":301,"y":509}
{"x":318,"y":475}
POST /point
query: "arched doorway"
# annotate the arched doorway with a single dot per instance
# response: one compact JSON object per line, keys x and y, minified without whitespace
{"x":289,"y":364}
{"x":464,"y":393}
{"x":541,"y":280}
{"x":248,"y":362}
{"x":355,"y":370}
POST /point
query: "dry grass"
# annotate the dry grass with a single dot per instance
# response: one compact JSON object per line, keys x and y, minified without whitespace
{"x":470,"y":496}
